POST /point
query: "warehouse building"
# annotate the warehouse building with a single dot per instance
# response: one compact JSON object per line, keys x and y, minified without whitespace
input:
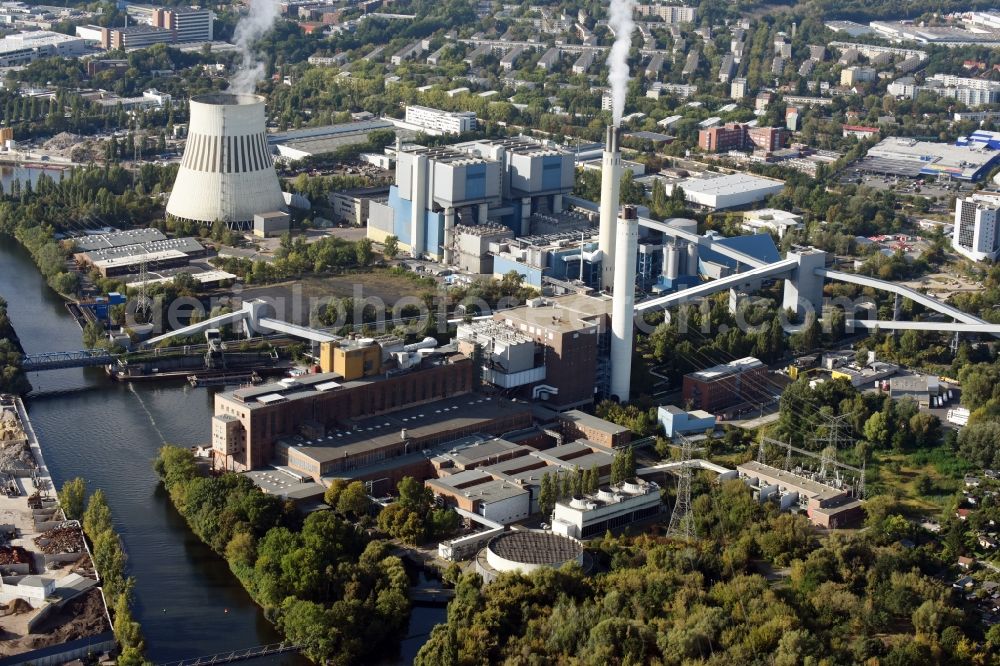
{"x":924,"y":389}
{"x":104,"y":241}
{"x":468,"y":475}
{"x":387,"y":444}
{"x":727,"y":191}
{"x":313,"y":141}
{"x":969,"y":159}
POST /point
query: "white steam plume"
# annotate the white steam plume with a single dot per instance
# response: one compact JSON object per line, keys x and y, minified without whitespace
{"x":620,"y":20}
{"x":249,"y":30}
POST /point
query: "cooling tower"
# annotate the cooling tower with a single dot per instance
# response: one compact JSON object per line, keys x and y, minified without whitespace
{"x":611,"y":174}
{"x":226,"y":173}
{"x":623,"y":304}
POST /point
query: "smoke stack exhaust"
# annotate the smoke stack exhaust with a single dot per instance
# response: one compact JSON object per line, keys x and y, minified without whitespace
{"x":623,"y":304}
{"x":611,"y":174}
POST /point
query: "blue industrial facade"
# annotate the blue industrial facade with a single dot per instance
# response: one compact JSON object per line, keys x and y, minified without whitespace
{"x":401,"y":212}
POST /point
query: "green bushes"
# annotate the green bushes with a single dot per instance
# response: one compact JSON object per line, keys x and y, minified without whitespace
{"x":12,"y":379}
{"x":325,"y":585}
{"x":413,"y":517}
{"x":848,"y":599}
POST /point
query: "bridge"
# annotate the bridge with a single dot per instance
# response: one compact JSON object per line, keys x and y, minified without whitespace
{"x":86,"y":358}
{"x":236,"y":655}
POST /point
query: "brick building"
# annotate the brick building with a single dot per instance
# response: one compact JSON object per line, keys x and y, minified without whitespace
{"x":736,"y":136}
{"x":248,"y":421}
{"x":741,"y":381}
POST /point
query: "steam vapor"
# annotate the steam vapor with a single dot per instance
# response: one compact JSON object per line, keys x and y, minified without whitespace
{"x":620,"y":20}
{"x":249,"y":30}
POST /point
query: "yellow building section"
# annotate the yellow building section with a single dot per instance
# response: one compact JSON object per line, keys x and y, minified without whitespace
{"x":351,"y":360}
{"x":379,"y":236}
{"x":840,"y":375}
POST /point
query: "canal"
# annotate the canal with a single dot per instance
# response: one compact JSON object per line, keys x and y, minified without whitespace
{"x":188,"y":602}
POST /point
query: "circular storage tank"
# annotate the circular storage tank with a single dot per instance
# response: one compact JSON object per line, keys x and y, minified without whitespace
{"x":227,"y":172}
{"x":671,"y":262}
{"x":525,"y":551}
{"x":692,"y":259}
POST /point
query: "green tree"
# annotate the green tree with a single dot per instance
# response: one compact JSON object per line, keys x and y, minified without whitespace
{"x":97,"y":517}
{"x":72,"y":498}
{"x":391,"y":247}
{"x":353,"y":501}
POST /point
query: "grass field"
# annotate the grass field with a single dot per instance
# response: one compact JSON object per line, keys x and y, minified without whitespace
{"x":904,"y":472}
{"x":299,"y":297}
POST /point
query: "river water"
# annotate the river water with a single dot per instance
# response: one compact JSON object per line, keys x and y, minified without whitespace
{"x":188,"y":602}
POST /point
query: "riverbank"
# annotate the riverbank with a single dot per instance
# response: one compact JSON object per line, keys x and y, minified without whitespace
{"x":12,"y":378}
{"x":330,"y":588}
{"x":108,"y":433}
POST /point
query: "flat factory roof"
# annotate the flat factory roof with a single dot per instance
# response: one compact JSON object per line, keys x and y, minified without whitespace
{"x":118,"y":239}
{"x":458,"y":412}
{"x":789,"y":480}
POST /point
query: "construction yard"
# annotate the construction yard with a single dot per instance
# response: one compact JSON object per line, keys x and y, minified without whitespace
{"x":49,"y":592}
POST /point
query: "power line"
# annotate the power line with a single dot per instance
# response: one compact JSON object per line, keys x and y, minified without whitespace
{"x":682,"y":520}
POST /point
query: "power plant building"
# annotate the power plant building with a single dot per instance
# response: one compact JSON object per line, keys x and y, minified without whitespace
{"x":227,"y":172}
{"x":477,"y":183}
{"x":611,"y":507}
{"x":739,"y":382}
{"x":249,"y":422}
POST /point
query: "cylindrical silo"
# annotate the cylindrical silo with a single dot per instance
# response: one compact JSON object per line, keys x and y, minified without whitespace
{"x":227,"y":172}
{"x":671,"y":261}
{"x":692,"y":259}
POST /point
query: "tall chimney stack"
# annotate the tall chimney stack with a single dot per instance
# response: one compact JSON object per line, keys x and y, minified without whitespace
{"x":611,"y":174}
{"x":623,"y":303}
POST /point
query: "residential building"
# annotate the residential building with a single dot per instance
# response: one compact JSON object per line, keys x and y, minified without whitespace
{"x":134,"y":36}
{"x":442,"y":122}
{"x":668,"y":13}
{"x":738,"y":88}
{"x":852,"y":76}
{"x":187,"y":24}
{"x":731,"y":136}
{"x":859,"y":131}
{"x":737,"y":136}
{"x":977,"y":227}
